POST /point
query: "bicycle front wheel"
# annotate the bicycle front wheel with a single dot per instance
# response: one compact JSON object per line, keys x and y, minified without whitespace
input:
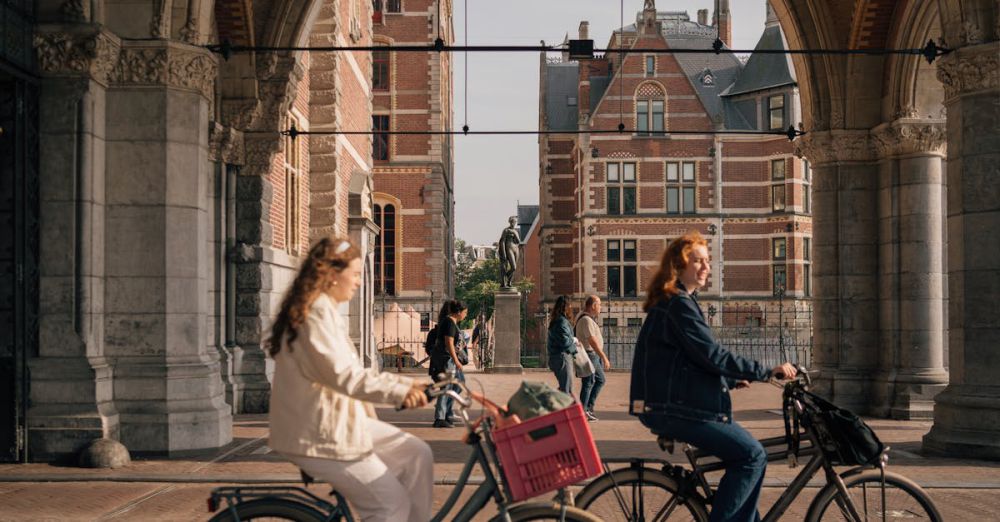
{"x":550,"y":512}
{"x":268,"y":509}
{"x":900,"y":499}
{"x":619,"y":495}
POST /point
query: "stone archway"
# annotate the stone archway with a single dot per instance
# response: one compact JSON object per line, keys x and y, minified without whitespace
{"x":876,"y":139}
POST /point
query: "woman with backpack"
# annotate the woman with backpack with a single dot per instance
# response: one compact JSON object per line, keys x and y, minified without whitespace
{"x":560,"y":345}
{"x":681,"y":377}
{"x":321,"y":415}
{"x":449,"y":354}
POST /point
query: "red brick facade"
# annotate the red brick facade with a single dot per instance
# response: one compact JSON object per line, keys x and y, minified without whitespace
{"x":414,"y":173}
{"x":610,"y":202}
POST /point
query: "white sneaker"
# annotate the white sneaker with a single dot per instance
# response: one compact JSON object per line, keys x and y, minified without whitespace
{"x":590,"y":416}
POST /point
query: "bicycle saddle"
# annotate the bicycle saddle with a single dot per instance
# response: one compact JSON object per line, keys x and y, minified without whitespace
{"x":665,"y":443}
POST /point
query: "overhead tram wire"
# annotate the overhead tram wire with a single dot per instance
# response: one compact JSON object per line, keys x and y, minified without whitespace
{"x":791,"y":133}
{"x":930,"y":52}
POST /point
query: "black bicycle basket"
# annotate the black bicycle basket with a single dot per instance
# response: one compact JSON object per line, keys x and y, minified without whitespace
{"x":850,"y":442}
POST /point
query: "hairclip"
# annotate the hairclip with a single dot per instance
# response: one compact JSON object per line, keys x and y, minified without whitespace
{"x":342,"y":247}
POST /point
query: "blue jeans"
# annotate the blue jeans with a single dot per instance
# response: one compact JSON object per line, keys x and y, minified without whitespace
{"x":745,"y":459}
{"x":442,"y":408}
{"x":591,"y":386}
{"x":561,"y":364}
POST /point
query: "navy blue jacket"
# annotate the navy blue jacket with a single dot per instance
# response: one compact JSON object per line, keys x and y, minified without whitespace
{"x":679,"y":369}
{"x":561,"y":338}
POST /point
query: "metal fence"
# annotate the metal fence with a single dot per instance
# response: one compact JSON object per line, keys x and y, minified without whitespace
{"x":771,"y":331}
{"x":400,"y":328}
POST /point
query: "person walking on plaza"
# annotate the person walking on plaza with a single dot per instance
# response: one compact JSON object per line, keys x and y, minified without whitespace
{"x":681,"y":377}
{"x":321,"y":414}
{"x":588,"y":331}
{"x":449,"y":354}
{"x":560,"y":345}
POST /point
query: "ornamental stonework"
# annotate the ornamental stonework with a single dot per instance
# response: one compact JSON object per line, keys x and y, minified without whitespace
{"x":905,"y":138}
{"x":172,"y":65}
{"x":835,"y":147}
{"x":970,"y":69}
{"x":92,"y":54}
{"x":225,"y":144}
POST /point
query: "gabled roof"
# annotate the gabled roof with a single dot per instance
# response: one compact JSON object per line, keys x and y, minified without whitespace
{"x":681,"y":32}
{"x":561,"y":88}
{"x":765,"y":71}
{"x":526,"y":217}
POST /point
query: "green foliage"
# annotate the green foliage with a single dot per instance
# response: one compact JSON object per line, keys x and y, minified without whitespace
{"x":476,"y":283}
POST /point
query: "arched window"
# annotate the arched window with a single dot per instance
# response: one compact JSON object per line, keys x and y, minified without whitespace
{"x":649,"y":110}
{"x":385,"y":249}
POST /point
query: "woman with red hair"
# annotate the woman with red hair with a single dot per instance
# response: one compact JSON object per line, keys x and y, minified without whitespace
{"x":681,"y":377}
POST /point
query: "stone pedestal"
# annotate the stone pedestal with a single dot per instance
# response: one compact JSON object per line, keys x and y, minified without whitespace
{"x":967,"y":412}
{"x":507,"y":329}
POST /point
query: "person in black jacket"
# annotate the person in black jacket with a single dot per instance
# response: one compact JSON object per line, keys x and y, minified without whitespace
{"x":681,"y":378}
{"x":560,"y":345}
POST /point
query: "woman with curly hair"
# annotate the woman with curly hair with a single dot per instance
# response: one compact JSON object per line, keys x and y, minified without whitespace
{"x":321,"y":414}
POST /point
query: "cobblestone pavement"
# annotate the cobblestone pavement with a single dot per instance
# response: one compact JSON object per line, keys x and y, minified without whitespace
{"x":177,"y":488}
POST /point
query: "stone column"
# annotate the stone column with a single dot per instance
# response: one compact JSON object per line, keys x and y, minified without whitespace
{"x":967,"y":412}
{"x":167,"y":386}
{"x":71,"y":379}
{"x":845,"y":306}
{"x":911,"y":256}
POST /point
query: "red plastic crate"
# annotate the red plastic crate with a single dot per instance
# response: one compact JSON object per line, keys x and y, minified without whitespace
{"x":546,"y":453}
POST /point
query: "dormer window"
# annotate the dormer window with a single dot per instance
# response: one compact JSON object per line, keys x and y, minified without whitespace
{"x":571,"y":101}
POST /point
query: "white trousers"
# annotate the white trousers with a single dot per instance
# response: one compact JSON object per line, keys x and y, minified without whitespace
{"x":392,"y":484}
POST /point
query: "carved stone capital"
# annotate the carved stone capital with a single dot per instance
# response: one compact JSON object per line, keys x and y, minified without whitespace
{"x":903,"y":138}
{"x":225,"y":144}
{"x":169,"y":64}
{"x":260,"y":149}
{"x":838,"y":146}
{"x":970,"y":69}
{"x":88,"y":53}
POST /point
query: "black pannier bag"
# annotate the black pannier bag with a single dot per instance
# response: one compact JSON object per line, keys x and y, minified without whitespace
{"x":851,"y":441}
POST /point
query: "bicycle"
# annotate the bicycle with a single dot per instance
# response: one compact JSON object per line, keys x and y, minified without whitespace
{"x":298,"y":504}
{"x":654,"y":490}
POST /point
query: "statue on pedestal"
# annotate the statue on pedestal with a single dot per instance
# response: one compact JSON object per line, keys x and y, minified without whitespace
{"x":508,"y":251}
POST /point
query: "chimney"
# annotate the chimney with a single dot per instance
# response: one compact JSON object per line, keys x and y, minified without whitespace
{"x":723,"y":21}
{"x":584,"y":30}
{"x":703,"y":16}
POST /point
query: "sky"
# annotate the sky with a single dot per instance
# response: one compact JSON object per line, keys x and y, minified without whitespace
{"x":494,"y":173}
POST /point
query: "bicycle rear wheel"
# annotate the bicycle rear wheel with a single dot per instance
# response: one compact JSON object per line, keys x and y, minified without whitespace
{"x":268,"y":509}
{"x":620,"y":496}
{"x":903,"y":500}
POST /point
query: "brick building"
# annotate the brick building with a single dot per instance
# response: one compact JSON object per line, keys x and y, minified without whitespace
{"x":413,"y":174}
{"x":611,"y":202}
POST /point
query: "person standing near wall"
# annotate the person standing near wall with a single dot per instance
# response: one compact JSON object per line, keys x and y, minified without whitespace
{"x":588,"y":331}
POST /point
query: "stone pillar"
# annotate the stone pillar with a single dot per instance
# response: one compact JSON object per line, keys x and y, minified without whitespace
{"x":911,"y":276}
{"x":845,"y":306}
{"x":363,"y":232}
{"x":507,"y":330}
{"x":167,"y":386}
{"x":71,"y":379}
{"x":967,"y":412}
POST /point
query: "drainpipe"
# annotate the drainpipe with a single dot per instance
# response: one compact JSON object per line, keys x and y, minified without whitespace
{"x":720,"y":235}
{"x":229,"y":182}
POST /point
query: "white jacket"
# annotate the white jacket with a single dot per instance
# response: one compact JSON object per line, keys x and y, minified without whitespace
{"x":319,"y":385}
